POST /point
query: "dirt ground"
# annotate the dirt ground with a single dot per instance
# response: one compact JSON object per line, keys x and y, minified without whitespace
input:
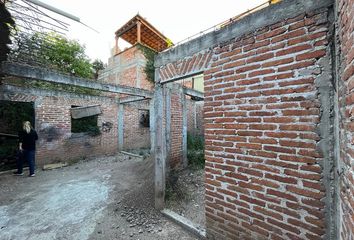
{"x":188,"y":197}
{"x":103,"y":198}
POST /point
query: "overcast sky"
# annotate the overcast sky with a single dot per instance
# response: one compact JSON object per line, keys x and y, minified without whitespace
{"x":177,"y":20}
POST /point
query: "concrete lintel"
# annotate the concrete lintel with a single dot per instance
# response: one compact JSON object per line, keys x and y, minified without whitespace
{"x":176,"y":78}
{"x":185,"y":223}
{"x":42,"y":74}
{"x":9,"y":89}
{"x":131,"y":99}
{"x":131,"y":154}
{"x":193,"y":93}
{"x":264,"y":17}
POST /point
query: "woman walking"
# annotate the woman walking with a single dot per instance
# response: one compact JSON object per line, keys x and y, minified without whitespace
{"x":27,"y":147}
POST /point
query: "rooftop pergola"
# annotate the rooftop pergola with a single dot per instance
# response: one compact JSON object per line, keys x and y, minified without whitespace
{"x":138,"y":30}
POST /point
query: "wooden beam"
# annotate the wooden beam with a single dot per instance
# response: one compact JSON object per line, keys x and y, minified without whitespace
{"x":138,"y":31}
{"x":18,"y":70}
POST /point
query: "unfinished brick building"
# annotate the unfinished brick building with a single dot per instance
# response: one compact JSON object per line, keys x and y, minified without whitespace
{"x":278,"y":106}
{"x":127,"y":67}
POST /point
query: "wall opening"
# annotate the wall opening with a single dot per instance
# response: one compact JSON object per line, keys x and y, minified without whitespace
{"x":144,"y":118}
{"x":184,"y":193}
{"x":88,"y":125}
{"x":12,"y":114}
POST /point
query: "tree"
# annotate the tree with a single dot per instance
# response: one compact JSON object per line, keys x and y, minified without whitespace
{"x":97,"y":65}
{"x":65,"y":55}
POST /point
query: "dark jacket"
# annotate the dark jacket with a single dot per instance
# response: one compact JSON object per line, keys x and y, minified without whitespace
{"x":28,"y":140}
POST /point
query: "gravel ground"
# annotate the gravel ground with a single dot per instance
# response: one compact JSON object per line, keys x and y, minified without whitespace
{"x":188,"y":200}
{"x":103,"y":198}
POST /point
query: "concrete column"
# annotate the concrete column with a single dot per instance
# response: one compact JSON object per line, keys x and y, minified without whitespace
{"x":167,"y":92}
{"x":184,"y":128}
{"x":120,"y":127}
{"x":152,"y":127}
{"x":160,"y":146}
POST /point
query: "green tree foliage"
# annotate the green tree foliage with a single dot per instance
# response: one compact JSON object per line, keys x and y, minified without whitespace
{"x":195,"y":150}
{"x":6,"y":24}
{"x":97,"y":65}
{"x":66,"y":55}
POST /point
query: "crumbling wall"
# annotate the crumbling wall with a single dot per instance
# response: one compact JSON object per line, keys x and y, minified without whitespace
{"x":53,"y":124}
{"x":345,"y":11}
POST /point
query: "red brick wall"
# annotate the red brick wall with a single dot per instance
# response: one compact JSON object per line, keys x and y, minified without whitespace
{"x":263,"y":174}
{"x":53,"y":124}
{"x":346,"y":35}
{"x":263,"y":171}
{"x":176,"y":130}
{"x":125,"y":68}
{"x":135,"y":136}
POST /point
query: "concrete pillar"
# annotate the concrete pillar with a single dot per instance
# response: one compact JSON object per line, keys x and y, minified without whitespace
{"x":167,"y":92}
{"x":152,"y":127}
{"x":184,"y":128}
{"x":160,"y":146}
{"x":120,"y":127}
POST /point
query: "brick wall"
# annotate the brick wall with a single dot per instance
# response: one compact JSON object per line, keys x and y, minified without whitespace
{"x":263,"y":115}
{"x":53,"y":124}
{"x":135,"y":135}
{"x":345,"y":10}
{"x":263,"y":169}
{"x":176,"y":130}
{"x":127,"y":68}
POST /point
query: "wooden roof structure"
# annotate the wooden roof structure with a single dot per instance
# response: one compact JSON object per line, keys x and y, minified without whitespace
{"x":138,"y":30}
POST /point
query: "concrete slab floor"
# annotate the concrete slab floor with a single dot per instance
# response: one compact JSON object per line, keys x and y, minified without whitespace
{"x":88,"y":200}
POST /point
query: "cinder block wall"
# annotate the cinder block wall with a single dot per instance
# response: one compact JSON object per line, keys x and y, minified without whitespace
{"x":53,"y":124}
{"x":345,"y":10}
